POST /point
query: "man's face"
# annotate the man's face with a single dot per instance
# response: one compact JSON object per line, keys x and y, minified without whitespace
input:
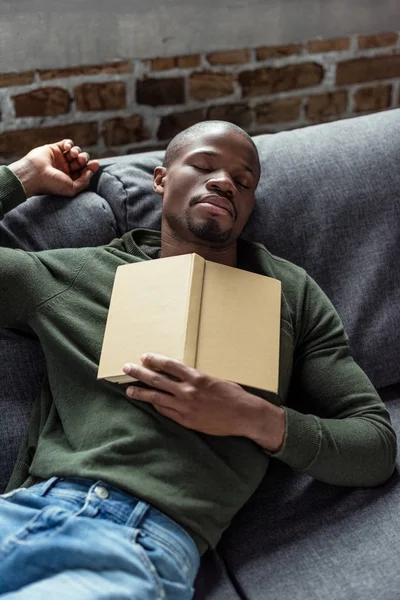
{"x":208,"y":191}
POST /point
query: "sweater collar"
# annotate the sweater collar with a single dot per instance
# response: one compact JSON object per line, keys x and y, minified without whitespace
{"x":144,"y":243}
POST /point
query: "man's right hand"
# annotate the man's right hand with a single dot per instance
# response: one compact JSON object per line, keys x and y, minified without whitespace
{"x":61,"y":169}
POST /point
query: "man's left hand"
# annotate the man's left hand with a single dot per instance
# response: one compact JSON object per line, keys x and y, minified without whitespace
{"x":205,"y":404}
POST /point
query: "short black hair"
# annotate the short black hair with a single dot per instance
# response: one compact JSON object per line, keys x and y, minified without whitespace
{"x":187,"y":135}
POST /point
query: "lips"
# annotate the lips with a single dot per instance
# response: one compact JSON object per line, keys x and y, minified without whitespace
{"x":220,"y":202}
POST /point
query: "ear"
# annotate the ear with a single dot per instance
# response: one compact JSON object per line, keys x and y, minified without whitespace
{"x":159,"y":179}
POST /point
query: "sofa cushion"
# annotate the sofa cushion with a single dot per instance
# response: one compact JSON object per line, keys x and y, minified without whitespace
{"x":45,"y":222}
{"x":328,"y":200}
{"x":213,"y":581}
{"x":127,"y":186}
{"x":302,"y":539}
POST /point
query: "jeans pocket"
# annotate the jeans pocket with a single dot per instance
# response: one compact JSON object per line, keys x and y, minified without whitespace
{"x":70,"y":499}
{"x":49,"y":521}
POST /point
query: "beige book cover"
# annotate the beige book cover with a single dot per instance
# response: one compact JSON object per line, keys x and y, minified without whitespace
{"x":223,"y":321}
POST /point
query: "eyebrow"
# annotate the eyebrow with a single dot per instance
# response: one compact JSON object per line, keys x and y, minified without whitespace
{"x":212,"y":153}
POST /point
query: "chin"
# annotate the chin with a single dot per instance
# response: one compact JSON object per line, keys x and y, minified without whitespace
{"x":210,"y":231}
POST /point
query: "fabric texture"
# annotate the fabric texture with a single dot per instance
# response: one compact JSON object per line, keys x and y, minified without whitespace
{"x":21,"y":375}
{"x":128,"y":187}
{"x":301,"y":539}
{"x":88,"y":540}
{"x":12,"y":191}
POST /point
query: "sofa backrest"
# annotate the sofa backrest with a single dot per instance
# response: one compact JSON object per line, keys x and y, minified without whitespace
{"x":329,"y":200}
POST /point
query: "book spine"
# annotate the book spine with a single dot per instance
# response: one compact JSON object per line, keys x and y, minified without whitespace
{"x":193,"y":310}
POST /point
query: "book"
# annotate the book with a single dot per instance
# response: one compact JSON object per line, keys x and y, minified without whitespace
{"x":221,"y":320}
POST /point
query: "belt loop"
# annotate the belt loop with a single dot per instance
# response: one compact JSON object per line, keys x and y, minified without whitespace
{"x":47,"y":485}
{"x":138,"y":514}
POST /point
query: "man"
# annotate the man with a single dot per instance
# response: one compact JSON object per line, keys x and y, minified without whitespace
{"x":128,"y":486}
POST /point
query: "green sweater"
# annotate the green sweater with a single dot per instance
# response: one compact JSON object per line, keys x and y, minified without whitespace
{"x":337,"y":428}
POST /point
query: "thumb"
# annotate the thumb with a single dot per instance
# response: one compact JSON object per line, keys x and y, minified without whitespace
{"x":82,"y":182}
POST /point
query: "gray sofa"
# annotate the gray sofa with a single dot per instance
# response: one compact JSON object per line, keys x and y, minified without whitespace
{"x":328,"y":200}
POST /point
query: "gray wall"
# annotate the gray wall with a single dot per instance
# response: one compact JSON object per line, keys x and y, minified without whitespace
{"x":62,"y":33}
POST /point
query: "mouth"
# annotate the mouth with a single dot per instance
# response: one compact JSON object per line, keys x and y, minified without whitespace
{"x":222,"y":203}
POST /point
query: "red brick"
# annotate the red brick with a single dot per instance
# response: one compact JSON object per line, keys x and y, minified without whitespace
{"x":267,"y":52}
{"x":335,"y":45}
{"x":372,"y":99}
{"x":11,"y":79}
{"x":42,"y":102}
{"x":159,"y":92}
{"x":207,"y":85}
{"x":124,"y":130}
{"x":163,"y":63}
{"x":188,"y":62}
{"x":18,"y":143}
{"x":360,"y":70}
{"x":270,"y":81}
{"x":324,"y":106}
{"x":106,"y":69}
{"x":100,"y":96}
{"x":239,"y":114}
{"x":278,"y":111}
{"x":377,"y":41}
{"x":233,"y":57}
{"x":170,"y":125}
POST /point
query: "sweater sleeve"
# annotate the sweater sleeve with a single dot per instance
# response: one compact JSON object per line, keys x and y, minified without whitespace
{"x":344,"y":436}
{"x":12,"y":191}
{"x":29,"y":279}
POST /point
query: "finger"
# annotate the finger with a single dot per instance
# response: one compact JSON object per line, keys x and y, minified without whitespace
{"x":151,"y":396}
{"x":172,"y":414}
{"x":81,"y":162}
{"x":64,"y":145}
{"x":78,"y":174}
{"x":81,"y":183}
{"x":74,"y":165}
{"x":73,"y":153}
{"x":152,"y":378}
{"x":82,"y":159}
{"x":93,"y":165}
{"x":171,"y":366}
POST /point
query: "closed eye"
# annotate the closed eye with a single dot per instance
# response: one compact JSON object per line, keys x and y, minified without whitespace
{"x":202,"y":169}
{"x":246,"y":187}
{"x":208,"y":170}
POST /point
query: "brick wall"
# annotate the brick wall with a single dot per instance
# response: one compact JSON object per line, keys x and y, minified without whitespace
{"x":136,"y":105}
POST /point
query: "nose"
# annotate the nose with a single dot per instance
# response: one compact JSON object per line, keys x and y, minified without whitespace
{"x":221,"y":181}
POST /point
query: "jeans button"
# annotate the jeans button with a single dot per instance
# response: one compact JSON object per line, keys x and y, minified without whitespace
{"x":101,"y":492}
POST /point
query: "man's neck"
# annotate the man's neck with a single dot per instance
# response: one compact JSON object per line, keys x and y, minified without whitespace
{"x":170,"y":246}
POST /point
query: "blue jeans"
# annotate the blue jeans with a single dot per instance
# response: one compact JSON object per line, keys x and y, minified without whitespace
{"x":75,"y":538}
